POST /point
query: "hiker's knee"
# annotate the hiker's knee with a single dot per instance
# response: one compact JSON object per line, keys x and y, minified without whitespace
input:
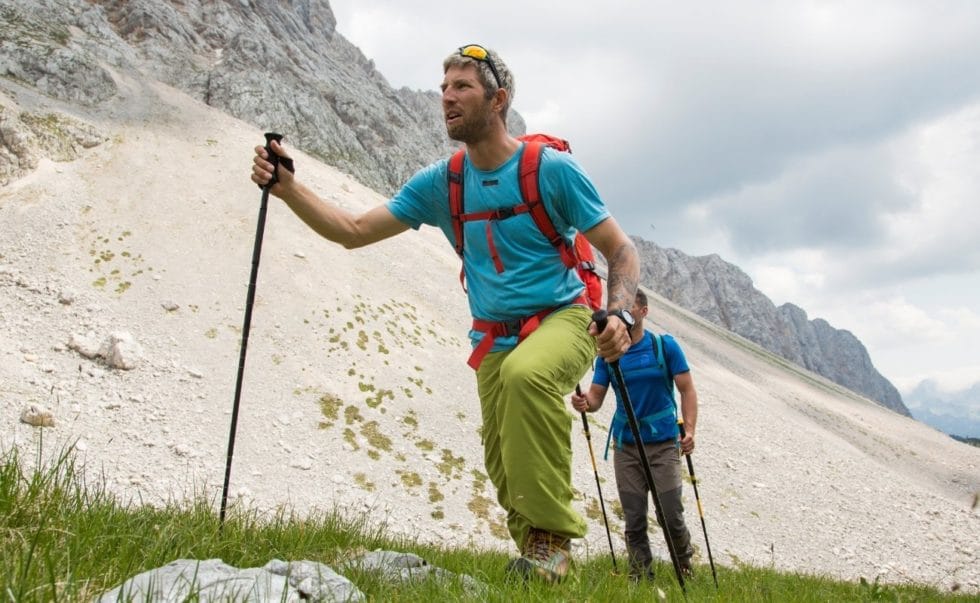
{"x":516,"y":373}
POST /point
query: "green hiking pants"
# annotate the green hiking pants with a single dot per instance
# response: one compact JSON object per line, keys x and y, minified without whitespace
{"x":527,"y":428}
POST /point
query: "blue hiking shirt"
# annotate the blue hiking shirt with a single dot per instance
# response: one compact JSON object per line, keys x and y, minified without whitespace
{"x":534,"y":277}
{"x":653,"y":403}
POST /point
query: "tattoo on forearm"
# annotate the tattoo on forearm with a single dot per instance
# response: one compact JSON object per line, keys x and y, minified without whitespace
{"x":621,"y":288}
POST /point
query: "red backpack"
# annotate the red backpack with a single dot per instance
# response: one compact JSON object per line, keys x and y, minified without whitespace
{"x":577,"y":255}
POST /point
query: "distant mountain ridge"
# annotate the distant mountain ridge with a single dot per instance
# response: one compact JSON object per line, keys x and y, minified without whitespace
{"x":720,"y":292}
{"x":948,"y":411}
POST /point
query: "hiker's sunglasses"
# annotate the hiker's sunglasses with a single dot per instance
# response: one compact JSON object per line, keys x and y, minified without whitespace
{"x":475,"y":51}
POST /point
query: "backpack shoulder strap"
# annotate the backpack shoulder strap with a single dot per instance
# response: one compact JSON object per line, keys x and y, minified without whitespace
{"x":660,"y":354}
{"x":531,"y":194}
{"x":455,"y":175}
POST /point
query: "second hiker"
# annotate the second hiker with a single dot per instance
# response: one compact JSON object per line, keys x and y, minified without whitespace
{"x":651,"y":369}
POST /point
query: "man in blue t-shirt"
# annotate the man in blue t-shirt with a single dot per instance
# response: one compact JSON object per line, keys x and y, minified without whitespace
{"x":514,"y":276}
{"x":651,"y":390}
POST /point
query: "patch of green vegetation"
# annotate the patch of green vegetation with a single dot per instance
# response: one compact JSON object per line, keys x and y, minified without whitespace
{"x":410,"y":478}
{"x":351,"y":438}
{"x":450,"y":463}
{"x":411,"y":419}
{"x":593,"y":510}
{"x":376,"y":400}
{"x":617,"y":509}
{"x":352,"y":414}
{"x":362,"y":481}
{"x":427,"y":445}
{"x":99,"y":282}
{"x":434,"y":494}
{"x":372,"y":432}
{"x":437,"y":513}
{"x":480,"y":506}
{"x":211,"y":333}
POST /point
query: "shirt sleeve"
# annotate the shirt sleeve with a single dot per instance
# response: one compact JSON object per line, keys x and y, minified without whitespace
{"x":575,"y":202}
{"x":424,"y":199}
{"x":676,"y":361}
{"x":600,"y":376}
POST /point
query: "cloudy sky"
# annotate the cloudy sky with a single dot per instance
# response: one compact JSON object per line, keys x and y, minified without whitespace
{"x":829,"y":149}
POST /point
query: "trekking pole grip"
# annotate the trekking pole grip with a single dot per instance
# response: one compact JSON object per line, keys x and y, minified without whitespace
{"x":600,"y":318}
{"x":585,"y":420}
{"x":275,"y":159}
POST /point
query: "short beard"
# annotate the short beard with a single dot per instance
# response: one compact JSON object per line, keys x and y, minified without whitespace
{"x":471,"y":130}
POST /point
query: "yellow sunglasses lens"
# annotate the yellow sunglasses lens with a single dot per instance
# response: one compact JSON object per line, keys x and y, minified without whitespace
{"x":476,"y":52}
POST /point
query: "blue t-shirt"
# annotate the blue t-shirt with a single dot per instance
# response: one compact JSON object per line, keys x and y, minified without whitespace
{"x":534,"y":277}
{"x":653,"y":403}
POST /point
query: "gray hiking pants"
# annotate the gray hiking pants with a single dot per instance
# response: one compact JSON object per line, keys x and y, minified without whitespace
{"x":634,"y":495}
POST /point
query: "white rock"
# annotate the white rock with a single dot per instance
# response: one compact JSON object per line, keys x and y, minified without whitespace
{"x":37,"y":416}
{"x":121,"y":351}
{"x":86,"y":345}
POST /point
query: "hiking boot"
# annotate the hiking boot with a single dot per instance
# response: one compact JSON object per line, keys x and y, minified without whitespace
{"x":640,"y":573}
{"x":546,"y":556}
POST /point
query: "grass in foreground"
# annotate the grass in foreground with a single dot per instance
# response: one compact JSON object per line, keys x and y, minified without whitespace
{"x":63,"y":539}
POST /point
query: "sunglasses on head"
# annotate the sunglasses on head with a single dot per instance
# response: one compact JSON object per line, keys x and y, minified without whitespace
{"x":475,"y":51}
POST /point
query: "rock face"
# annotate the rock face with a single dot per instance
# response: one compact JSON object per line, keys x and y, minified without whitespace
{"x":723,"y":294}
{"x":279,"y":65}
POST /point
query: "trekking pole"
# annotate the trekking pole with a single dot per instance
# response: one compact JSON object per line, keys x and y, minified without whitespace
{"x":601,"y":318}
{"x":697,"y":497}
{"x":249,"y":301}
{"x":602,"y":504}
